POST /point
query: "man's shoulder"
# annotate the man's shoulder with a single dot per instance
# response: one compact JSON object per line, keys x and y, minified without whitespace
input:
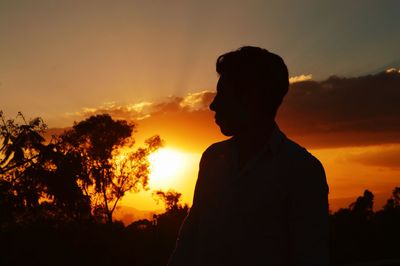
{"x":218,"y":147}
{"x":298,"y":159}
{"x":302,"y":169}
{"x":295,"y":151}
{"x":216,"y":150}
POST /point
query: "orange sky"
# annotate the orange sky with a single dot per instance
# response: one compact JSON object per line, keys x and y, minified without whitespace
{"x":153,"y":62}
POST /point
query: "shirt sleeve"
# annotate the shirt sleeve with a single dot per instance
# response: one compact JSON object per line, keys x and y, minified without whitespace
{"x":309,"y":215}
{"x":186,"y":245}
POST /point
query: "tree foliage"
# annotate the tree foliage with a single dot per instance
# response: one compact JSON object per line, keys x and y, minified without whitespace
{"x":170,"y":199}
{"x":21,"y":145}
{"x":111,"y":165}
{"x":394,"y":202}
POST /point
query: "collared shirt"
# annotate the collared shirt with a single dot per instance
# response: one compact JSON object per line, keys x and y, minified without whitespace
{"x":273,"y":211}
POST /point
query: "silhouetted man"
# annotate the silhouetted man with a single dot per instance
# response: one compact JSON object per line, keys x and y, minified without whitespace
{"x":260,"y":198}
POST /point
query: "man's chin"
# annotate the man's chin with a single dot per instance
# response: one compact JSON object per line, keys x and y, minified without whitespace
{"x":226,"y":131}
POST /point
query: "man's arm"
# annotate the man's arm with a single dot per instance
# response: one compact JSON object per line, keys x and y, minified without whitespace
{"x":309,"y":215}
{"x":186,"y":244}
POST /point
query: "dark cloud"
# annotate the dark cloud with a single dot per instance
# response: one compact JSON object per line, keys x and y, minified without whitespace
{"x":344,"y":111}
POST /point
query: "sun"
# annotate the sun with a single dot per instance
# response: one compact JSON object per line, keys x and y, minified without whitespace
{"x":166,"y":166}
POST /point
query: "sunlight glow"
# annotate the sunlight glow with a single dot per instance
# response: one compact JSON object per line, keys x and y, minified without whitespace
{"x":166,"y":167}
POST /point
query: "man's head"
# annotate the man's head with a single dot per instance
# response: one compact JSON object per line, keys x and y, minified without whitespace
{"x":251,"y":86}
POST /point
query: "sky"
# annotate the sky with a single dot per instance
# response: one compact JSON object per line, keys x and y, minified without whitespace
{"x":154,"y":62}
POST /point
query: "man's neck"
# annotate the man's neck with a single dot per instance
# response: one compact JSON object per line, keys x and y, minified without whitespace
{"x":252,"y":140}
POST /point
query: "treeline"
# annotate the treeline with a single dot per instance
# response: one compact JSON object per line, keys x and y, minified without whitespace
{"x":58,"y":196}
{"x":359,"y":234}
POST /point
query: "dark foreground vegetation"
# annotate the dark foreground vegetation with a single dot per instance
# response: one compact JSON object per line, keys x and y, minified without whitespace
{"x":58,"y":196}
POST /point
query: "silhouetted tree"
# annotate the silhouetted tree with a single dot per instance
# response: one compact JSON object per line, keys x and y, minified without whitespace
{"x":394,"y":201}
{"x":170,"y":199}
{"x":169,"y":222}
{"x":37,"y":180}
{"x":363,"y":206}
{"x":62,"y":172}
{"x":111,"y":166}
{"x":351,"y":230}
{"x":21,"y":143}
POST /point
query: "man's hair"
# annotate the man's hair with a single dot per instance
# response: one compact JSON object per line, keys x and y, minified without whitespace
{"x":256,"y":68}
